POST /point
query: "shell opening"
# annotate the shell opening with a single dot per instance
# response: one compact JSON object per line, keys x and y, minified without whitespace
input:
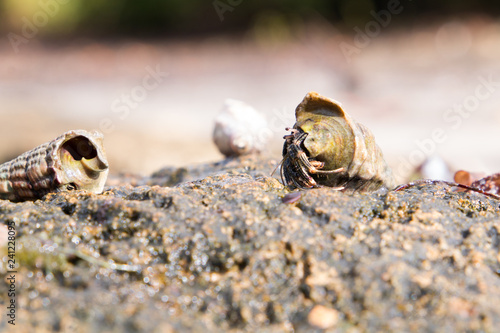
{"x":80,"y":147}
{"x":81,"y":160}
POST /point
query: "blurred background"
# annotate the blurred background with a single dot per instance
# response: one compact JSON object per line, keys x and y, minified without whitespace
{"x":152,"y":75}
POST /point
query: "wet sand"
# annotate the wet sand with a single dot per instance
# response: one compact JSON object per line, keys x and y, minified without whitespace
{"x":215,"y":249}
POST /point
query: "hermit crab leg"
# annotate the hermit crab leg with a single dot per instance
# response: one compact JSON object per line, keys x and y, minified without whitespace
{"x":317,"y":170}
{"x":294,"y":162}
{"x":298,"y":167}
{"x":298,"y":163}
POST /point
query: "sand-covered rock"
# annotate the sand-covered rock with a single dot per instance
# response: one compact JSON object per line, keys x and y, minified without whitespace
{"x":214,"y":248}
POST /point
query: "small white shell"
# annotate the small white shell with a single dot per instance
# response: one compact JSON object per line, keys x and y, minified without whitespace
{"x":434,"y":167}
{"x":240,"y":129}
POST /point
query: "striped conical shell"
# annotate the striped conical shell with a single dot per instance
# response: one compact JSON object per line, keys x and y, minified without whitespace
{"x":74,"y":160}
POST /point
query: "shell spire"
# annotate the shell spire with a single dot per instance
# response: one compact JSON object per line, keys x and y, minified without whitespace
{"x":76,"y":160}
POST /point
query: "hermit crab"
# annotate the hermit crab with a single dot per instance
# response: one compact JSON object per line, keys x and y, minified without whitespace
{"x":73,"y":161}
{"x":327,"y":147}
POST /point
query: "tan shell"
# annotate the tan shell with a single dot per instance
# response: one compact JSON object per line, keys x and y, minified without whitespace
{"x":327,"y":147}
{"x":74,"y":160}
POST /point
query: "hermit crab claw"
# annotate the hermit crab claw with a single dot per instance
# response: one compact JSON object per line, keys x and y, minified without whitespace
{"x":74,"y":160}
